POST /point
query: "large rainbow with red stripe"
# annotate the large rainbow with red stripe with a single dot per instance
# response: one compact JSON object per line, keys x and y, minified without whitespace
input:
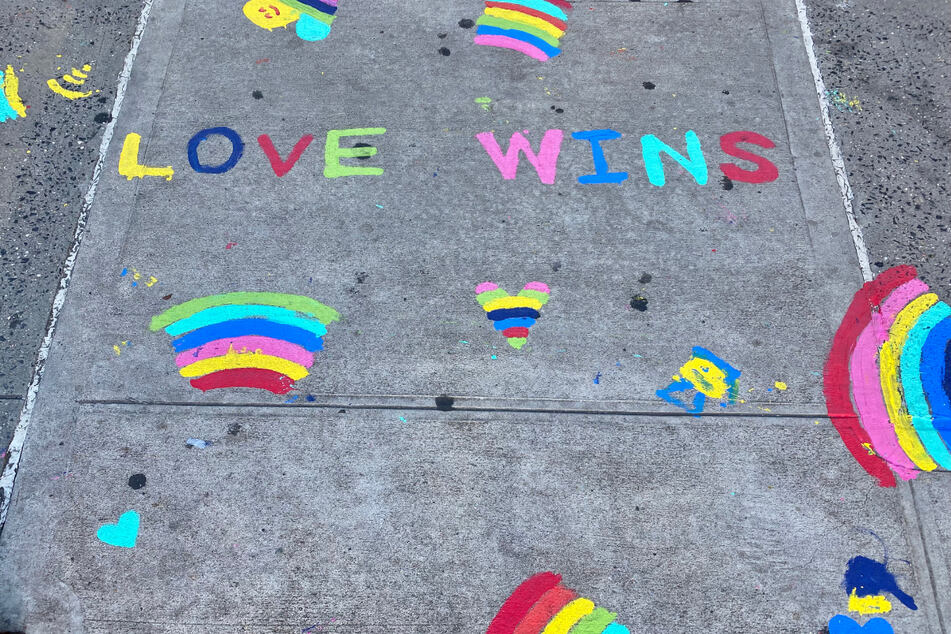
{"x":894,"y":350}
{"x":542,"y":605}
{"x":256,"y":340}
{"x":532,"y":27}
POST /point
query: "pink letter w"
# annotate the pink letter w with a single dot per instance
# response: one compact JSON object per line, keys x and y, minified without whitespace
{"x":545,"y":162}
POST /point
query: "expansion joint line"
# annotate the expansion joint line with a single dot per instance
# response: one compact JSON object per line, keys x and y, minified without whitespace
{"x":26,"y":413}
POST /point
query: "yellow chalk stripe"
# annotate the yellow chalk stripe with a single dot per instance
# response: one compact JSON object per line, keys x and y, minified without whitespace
{"x":11,"y":90}
{"x":889,"y":360}
{"x":73,"y":80}
{"x":523,"y":18}
{"x":234,"y":360}
{"x":80,"y":73}
{"x":512,"y":302}
{"x":569,"y":615}
{"x":706,"y":377}
{"x":875,"y":604}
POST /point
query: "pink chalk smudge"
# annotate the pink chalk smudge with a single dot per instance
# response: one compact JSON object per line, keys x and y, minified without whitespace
{"x":485,"y":287}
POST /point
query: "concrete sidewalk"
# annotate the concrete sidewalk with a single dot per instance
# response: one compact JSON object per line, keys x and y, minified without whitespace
{"x":354,"y":497}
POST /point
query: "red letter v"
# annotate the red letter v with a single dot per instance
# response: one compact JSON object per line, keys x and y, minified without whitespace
{"x":280,"y":166}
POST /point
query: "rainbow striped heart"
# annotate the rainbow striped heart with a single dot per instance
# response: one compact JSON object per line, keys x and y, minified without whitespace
{"x":513,"y":315}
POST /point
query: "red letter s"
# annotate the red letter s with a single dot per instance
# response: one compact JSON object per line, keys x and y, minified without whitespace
{"x":766,"y":171}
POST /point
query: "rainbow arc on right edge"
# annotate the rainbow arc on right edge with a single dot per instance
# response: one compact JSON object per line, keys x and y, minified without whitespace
{"x":542,"y":605}
{"x":888,"y":378}
{"x":532,"y":27}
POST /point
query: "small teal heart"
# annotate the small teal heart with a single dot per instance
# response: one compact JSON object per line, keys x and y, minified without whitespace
{"x":123,"y":533}
{"x":844,"y":625}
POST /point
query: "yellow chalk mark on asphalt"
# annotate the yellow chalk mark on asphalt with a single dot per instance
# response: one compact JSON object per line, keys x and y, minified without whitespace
{"x":11,"y":90}
{"x":78,"y":80}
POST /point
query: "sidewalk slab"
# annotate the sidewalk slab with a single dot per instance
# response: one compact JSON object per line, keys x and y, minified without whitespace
{"x":759,"y":276}
{"x":304,"y":515}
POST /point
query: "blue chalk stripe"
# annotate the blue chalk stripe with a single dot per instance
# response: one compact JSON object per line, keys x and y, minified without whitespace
{"x":537,"y":42}
{"x":245,"y":327}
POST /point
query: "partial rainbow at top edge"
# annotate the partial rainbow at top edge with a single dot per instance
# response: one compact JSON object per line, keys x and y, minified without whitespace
{"x":520,"y":33}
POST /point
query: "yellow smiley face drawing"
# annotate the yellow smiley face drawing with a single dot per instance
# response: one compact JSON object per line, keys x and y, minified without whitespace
{"x":270,"y":14}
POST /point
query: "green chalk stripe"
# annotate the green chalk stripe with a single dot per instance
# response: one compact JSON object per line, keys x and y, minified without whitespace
{"x":533,"y":294}
{"x":324,"y":314}
{"x":502,"y":23}
{"x":311,"y":11}
{"x":595,"y":622}
{"x":490,"y":296}
{"x":517,"y":342}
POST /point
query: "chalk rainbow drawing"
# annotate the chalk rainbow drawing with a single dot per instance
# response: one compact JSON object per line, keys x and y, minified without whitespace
{"x":532,"y":27}
{"x":11,"y":106}
{"x":255,"y":340}
{"x":513,"y":315}
{"x":542,"y":604}
{"x":887,"y":379}
{"x":314,"y":17}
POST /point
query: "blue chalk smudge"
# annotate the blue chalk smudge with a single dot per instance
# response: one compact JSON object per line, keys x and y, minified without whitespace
{"x":870,"y":578}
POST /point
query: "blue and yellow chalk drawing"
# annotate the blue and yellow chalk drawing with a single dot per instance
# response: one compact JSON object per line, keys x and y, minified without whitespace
{"x":709,"y":375}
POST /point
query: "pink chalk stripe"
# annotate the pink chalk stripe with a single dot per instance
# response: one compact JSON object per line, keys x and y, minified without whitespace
{"x":486,"y":286}
{"x":502,"y":41}
{"x":866,"y":381}
{"x":250,"y":343}
{"x":898,"y":299}
{"x":538,"y":286}
{"x":867,"y":392}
